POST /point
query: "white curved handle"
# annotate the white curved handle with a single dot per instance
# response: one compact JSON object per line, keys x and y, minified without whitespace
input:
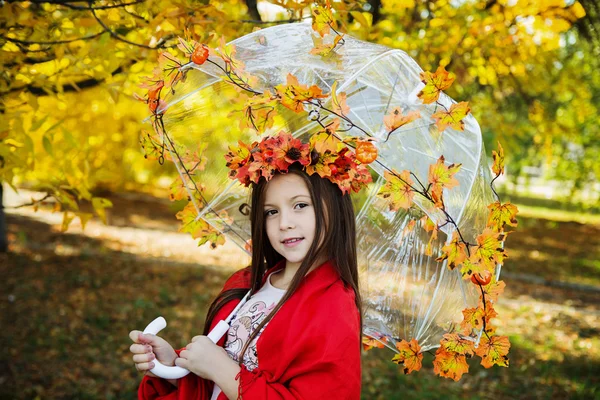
{"x":177,"y":372}
{"x":160,"y":369}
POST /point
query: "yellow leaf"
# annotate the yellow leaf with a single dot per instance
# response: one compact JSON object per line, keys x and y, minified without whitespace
{"x":453,"y":117}
{"x":455,"y":252}
{"x":434,"y":84}
{"x":502,"y":214}
{"x":100,"y":204}
{"x":67,"y":219}
{"x":323,"y":19}
{"x":493,"y":351}
{"x":397,"y":190}
{"x":449,"y":364}
{"x":498,"y":167}
{"x":409,"y":354}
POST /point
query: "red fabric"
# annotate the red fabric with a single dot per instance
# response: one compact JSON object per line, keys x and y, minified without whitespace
{"x":309,"y":350}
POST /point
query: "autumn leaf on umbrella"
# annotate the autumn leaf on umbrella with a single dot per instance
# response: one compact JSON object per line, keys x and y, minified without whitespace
{"x":198,"y":228}
{"x":453,"y":342}
{"x":395,"y":119}
{"x":434,"y":84}
{"x":397,"y":190}
{"x":370,"y":342}
{"x":493,"y":289}
{"x":409,"y":354}
{"x":259,"y":112}
{"x":474,"y":317}
{"x":493,"y":351}
{"x":153,"y":148}
{"x":323,"y":19}
{"x":442,"y":177}
{"x":227,"y":53}
{"x":338,"y":101}
{"x":498,"y":167}
{"x":450,"y":364}
{"x":455,"y":252}
{"x":452,"y":118}
{"x":430,"y":226}
{"x":477,"y":269}
{"x":502,"y":214}
{"x":177,"y":190}
{"x":323,"y":49}
{"x":293,"y":95}
{"x":489,"y":251}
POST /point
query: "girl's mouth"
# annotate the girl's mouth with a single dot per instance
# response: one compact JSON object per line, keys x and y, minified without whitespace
{"x":293,"y":243}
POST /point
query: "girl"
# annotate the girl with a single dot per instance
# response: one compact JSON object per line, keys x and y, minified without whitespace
{"x":299,"y":334}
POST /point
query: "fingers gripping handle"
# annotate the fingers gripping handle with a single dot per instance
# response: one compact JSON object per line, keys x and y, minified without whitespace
{"x":177,"y":372}
{"x":160,"y":369}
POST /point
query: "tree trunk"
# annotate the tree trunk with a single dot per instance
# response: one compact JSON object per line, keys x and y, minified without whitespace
{"x":253,"y":9}
{"x":3,"y":238}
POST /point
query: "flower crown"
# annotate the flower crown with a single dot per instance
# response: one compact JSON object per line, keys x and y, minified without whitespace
{"x":324,"y":154}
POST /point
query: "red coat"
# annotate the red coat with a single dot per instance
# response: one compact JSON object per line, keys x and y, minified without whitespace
{"x":309,"y":350}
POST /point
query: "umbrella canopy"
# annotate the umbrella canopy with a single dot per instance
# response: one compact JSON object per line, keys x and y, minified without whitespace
{"x":407,"y":294}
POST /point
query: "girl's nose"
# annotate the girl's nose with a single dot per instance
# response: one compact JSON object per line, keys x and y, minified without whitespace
{"x":285,"y":221}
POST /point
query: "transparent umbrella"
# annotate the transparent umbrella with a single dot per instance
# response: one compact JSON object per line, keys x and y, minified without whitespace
{"x":407,"y":294}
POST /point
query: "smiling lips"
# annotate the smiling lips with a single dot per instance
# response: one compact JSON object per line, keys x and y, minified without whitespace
{"x":292,"y":242}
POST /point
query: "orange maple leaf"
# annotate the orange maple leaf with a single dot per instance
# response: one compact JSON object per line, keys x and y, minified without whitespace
{"x":440,"y":177}
{"x":397,"y":190}
{"x":493,"y":289}
{"x":395,"y":119}
{"x":502,"y":214}
{"x":198,"y":228}
{"x":493,"y":351}
{"x":323,"y":49}
{"x":369,"y":342}
{"x":475,"y":316}
{"x":293,"y":95}
{"x":259,"y":112}
{"x":450,"y":364}
{"x":453,"y":342}
{"x":453,"y":117}
{"x":227,"y":53}
{"x":469,"y":268}
{"x":498,"y":167}
{"x":489,"y":251}
{"x":455,"y":252}
{"x":409,"y":354}
{"x":177,"y":190}
{"x":434,"y":84}
{"x":430,"y":226}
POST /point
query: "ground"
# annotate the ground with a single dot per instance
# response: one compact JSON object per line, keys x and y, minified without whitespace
{"x":68,"y":301}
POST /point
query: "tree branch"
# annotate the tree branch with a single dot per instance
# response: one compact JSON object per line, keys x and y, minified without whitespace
{"x":159,"y":45}
{"x":30,"y":42}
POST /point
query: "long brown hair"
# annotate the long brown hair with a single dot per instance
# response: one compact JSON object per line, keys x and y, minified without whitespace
{"x":334,"y":215}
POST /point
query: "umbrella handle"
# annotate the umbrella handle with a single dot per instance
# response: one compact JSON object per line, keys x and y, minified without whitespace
{"x":177,"y":372}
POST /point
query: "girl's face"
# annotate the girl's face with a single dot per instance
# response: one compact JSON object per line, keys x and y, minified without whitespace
{"x":289,"y":214}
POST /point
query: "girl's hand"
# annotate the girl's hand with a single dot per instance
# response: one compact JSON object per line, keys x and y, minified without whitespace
{"x":147,"y":347}
{"x":204,"y":358}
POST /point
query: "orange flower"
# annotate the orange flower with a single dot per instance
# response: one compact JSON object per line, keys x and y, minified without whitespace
{"x":290,"y":150}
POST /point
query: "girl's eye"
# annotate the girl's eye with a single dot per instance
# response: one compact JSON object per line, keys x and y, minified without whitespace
{"x":268,"y":212}
{"x":304,"y":204}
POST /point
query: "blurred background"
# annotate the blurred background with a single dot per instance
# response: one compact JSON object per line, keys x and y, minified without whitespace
{"x":89,"y":242}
